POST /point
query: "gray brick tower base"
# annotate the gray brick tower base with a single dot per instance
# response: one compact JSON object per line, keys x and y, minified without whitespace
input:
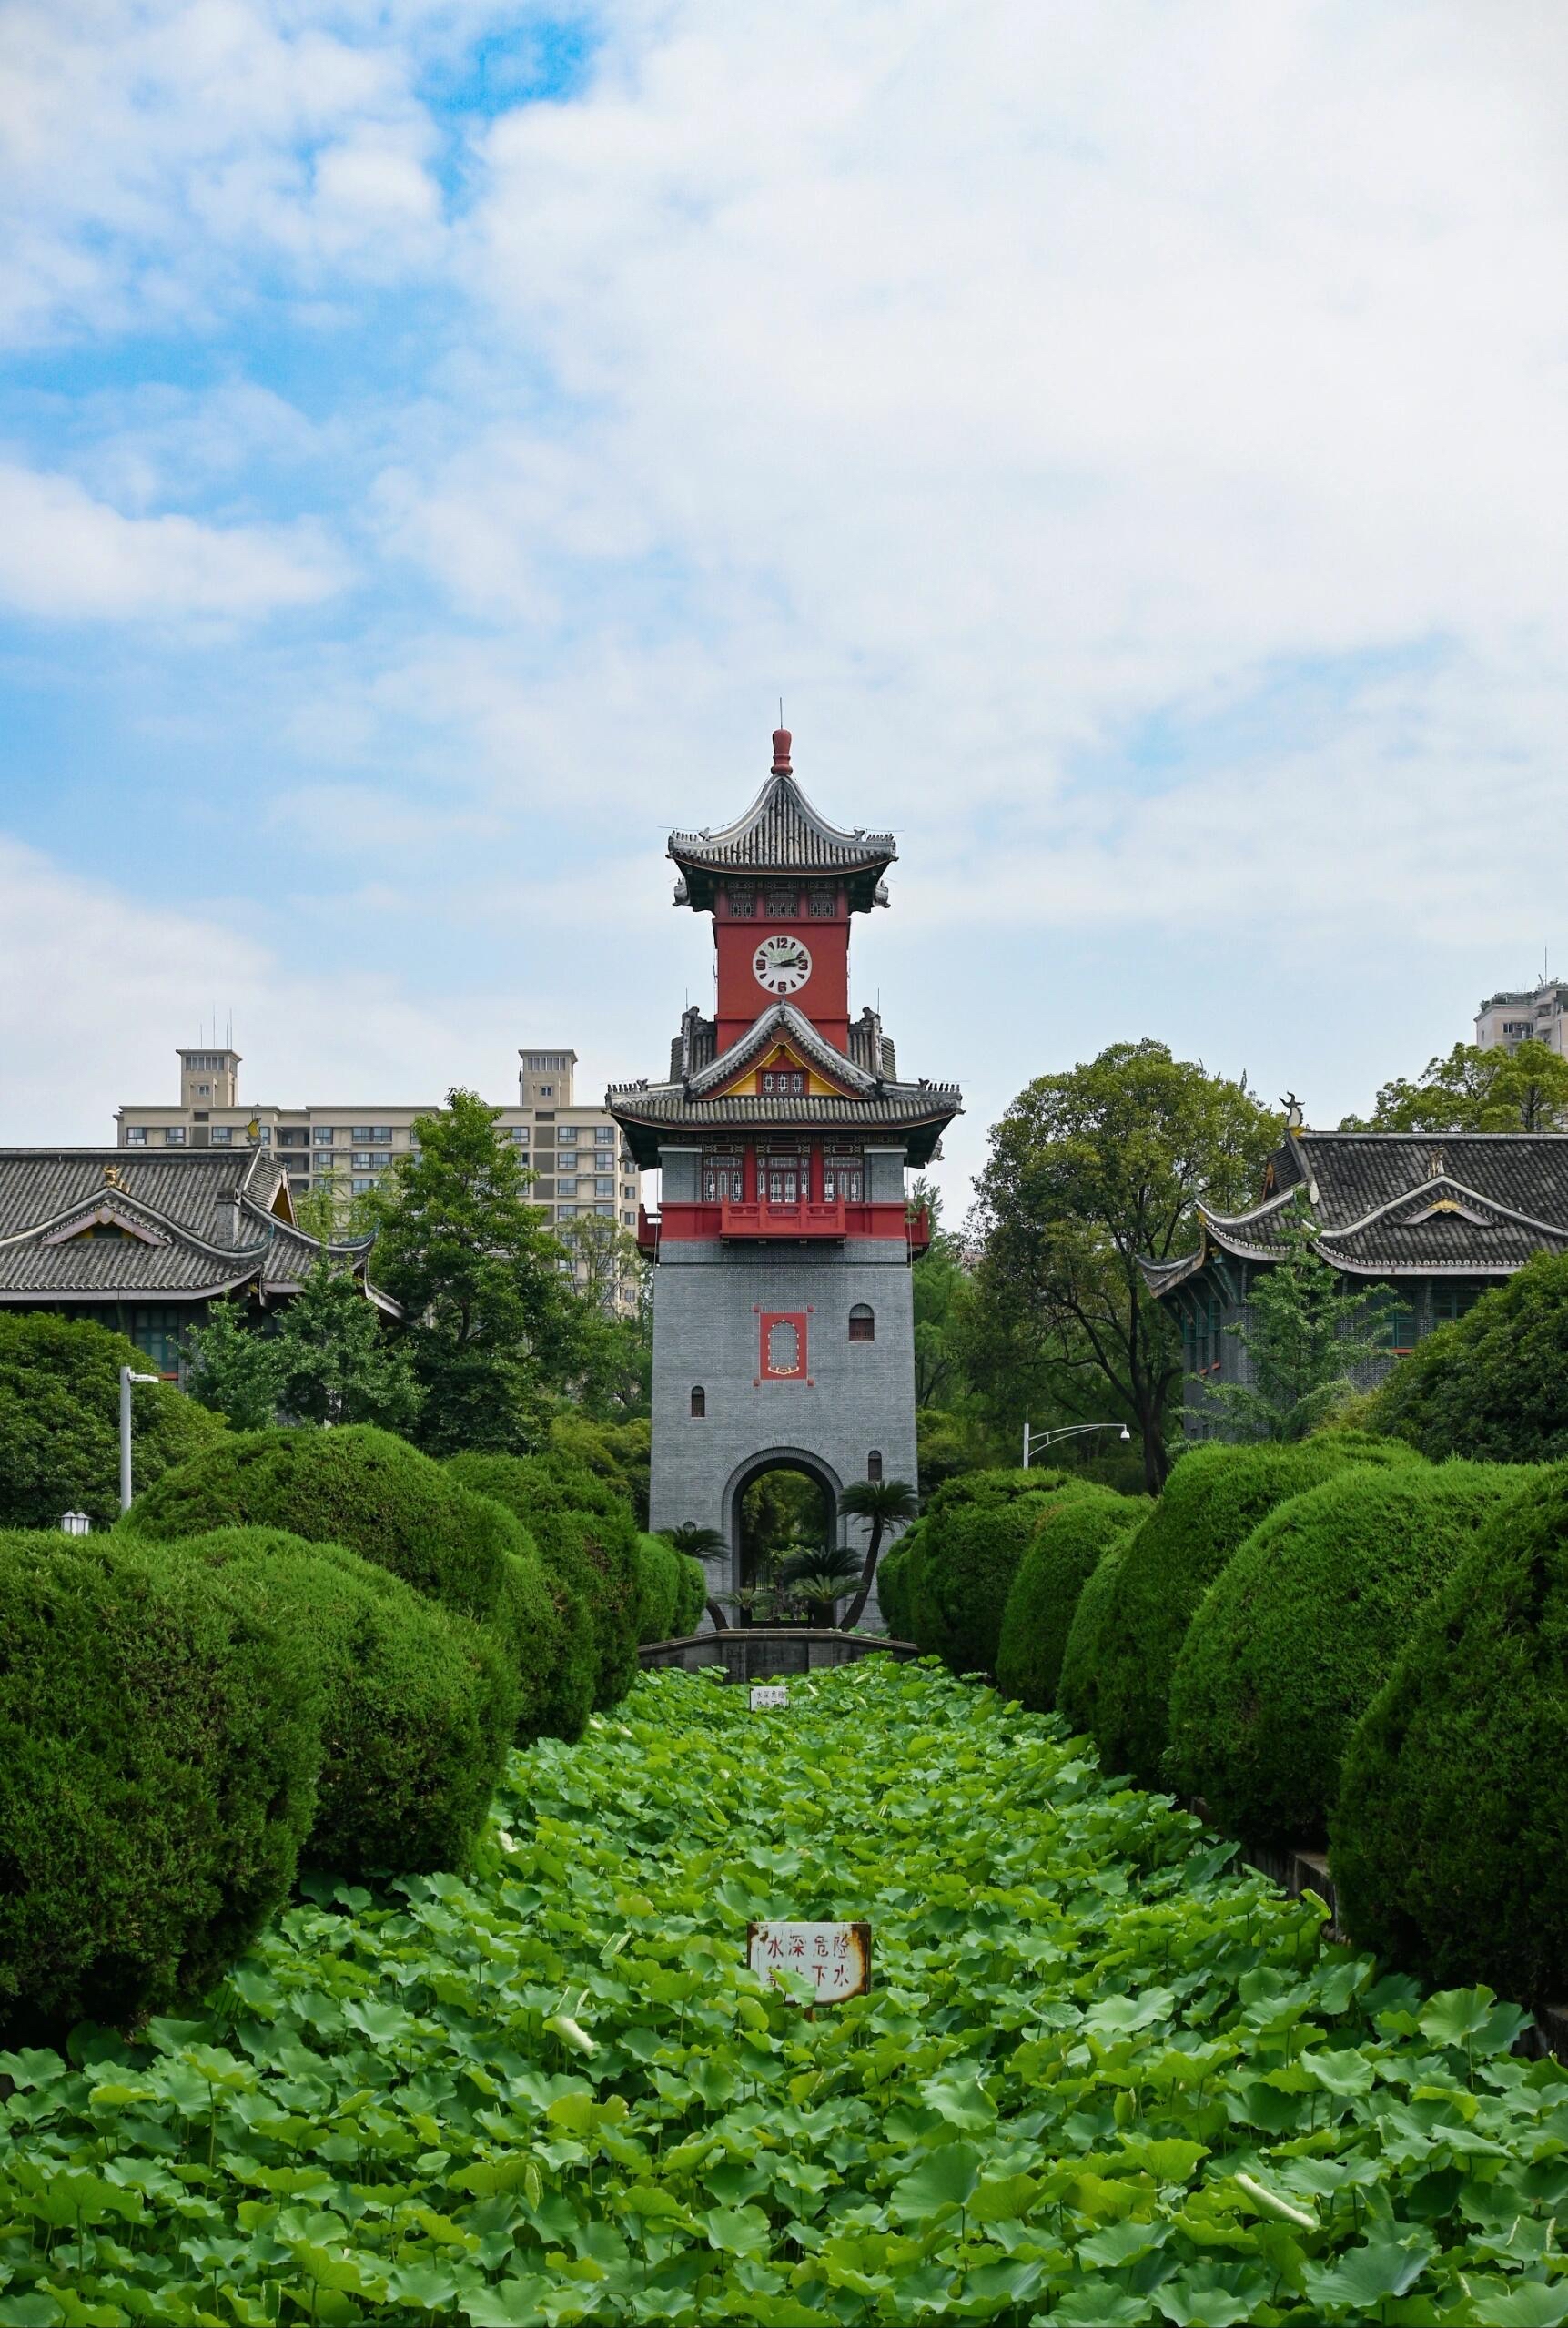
{"x":859,"y":1400}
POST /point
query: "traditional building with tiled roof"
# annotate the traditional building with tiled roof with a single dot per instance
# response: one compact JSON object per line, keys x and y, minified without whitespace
{"x":143,"y":1243}
{"x":1438,"y":1218}
{"x":782,"y":1319}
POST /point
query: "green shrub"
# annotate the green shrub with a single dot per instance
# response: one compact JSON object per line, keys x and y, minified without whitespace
{"x":356,"y":1486}
{"x":658,"y":1588}
{"x":893,"y":1573}
{"x":989,"y":1488}
{"x":963,"y":1570}
{"x":1115,"y":1683}
{"x":1493,"y":1386}
{"x":1058,"y":1562}
{"x":1088,"y":1621}
{"x":417,"y":1704}
{"x":1301,"y":1629}
{"x":1450,"y":1841}
{"x":691,"y":1594}
{"x":587,"y":1540}
{"x":546,"y":1631}
{"x":59,"y":1420}
{"x":159,"y":1745}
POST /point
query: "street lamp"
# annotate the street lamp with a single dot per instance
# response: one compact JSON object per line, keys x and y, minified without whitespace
{"x":126,"y":1378}
{"x":1033,"y":1439}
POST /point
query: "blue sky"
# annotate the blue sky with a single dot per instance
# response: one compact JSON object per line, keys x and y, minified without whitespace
{"x":1128,"y":433}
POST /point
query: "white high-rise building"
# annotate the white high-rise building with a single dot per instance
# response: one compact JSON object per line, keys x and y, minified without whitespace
{"x":1536,"y":1014}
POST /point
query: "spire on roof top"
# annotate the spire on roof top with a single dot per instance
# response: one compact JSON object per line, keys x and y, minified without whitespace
{"x":781,"y":753}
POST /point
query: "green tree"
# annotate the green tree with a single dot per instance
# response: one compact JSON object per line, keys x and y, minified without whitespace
{"x":1308,"y":1334}
{"x":60,"y":1415}
{"x":1493,"y":1385}
{"x":1091,"y":1169}
{"x":936,"y":1283}
{"x":334,"y":1359}
{"x":330,"y":1361}
{"x":613,"y":1284}
{"x":889,"y":1504}
{"x":491,"y":1321}
{"x":1472,"y":1089}
{"x":233,"y":1366}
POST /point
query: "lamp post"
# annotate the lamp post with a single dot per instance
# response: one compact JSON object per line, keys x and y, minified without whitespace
{"x":1033,"y":1439}
{"x":126,"y":1378}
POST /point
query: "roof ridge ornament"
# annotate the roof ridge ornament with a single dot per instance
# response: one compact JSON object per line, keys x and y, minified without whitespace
{"x":782,"y":740}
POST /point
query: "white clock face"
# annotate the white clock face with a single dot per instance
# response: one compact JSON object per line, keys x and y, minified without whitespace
{"x":781,"y":965}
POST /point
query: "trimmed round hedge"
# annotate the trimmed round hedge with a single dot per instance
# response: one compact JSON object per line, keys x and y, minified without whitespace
{"x":1122,"y":1649}
{"x":587,"y":1540}
{"x":356,"y":1486}
{"x":1058,"y":1560}
{"x":1450,"y":1841}
{"x":1090,"y":1619}
{"x":963,"y":1567}
{"x":159,"y":1745}
{"x":992,"y":1487}
{"x":892,"y":1572}
{"x":416,"y":1705}
{"x":59,"y":1427}
{"x":690,"y":1593}
{"x":1301,"y":1629}
{"x":658,"y":1588}
{"x":672,"y":1590}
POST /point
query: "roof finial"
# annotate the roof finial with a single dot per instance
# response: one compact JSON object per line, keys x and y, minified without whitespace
{"x":781,"y":745}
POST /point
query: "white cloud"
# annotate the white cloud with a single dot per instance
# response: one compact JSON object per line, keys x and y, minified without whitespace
{"x":64,"y":556}
{"x":96,"y":989}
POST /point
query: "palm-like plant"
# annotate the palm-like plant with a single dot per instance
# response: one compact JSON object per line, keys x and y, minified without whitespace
{"x":889,"y":1504}
{"x":701,"y":1543}
{"x":818,"y":1576}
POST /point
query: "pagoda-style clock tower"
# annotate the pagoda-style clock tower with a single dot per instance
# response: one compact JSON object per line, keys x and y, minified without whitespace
{"x":783,"y":1317}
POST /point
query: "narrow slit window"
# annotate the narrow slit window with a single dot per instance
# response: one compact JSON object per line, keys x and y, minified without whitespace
{"x":699,"y":1401}
{"x":863,"y":1323}
{"x":873,"y":1464}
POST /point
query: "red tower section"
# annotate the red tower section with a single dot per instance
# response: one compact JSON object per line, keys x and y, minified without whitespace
{"x":783,"y":1118}
{"x":781,"y":933}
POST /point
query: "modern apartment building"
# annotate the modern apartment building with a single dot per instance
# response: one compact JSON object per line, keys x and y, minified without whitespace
{"x":1538,"y":1015}
{"x":582,"y":1167}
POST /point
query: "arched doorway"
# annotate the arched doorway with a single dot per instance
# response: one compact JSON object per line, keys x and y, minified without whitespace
{"x":756,"y":1524}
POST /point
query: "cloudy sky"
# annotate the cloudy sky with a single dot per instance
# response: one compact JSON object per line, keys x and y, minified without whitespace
{"x":1130,"y":434}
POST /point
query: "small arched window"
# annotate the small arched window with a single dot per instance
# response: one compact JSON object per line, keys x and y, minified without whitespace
{"x":863,"y":1323}
{"x":699,"y":1400}
{"x":873,"y":1464}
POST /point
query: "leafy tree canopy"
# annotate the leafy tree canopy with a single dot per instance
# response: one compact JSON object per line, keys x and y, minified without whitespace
{"x":1089,"y":1169}
{"x":1472,"y":1089}
{"x":1309,"y":1332}
{"x":1493,"y":1385}
{"x":330,"y":1361}
{"x":59,"y":1420}
{"x":492,"y":1322}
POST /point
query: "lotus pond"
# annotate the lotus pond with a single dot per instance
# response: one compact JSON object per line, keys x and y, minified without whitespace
{"x":1099,"y":2079}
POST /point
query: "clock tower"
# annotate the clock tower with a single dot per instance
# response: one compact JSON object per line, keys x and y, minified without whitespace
{"x":783,"y":1314}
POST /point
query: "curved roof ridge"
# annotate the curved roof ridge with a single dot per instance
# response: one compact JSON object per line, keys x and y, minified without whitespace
{"x":782,"y":1018}
{"x":782,"y":832}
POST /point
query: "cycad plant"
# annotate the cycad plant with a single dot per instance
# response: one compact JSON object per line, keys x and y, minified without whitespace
{"x":889,"y":1504}
{"x":817,"y":1577}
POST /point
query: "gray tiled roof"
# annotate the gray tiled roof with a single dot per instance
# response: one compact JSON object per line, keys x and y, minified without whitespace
{"x":204,"y":1218}
{"x":781,"y":1021}
{"x":919,"y":1110}
{"x":781,"y":832}
{"x":1398,"y":1204}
